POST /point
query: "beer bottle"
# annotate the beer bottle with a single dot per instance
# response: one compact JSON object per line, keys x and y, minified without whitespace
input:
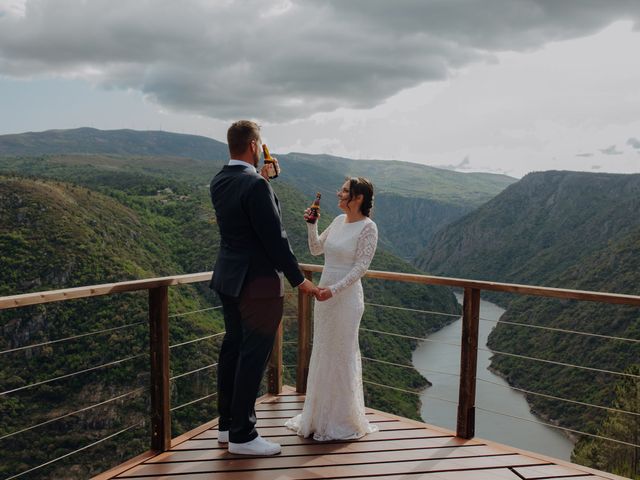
{"x":270,"y":162}
{"x":315,"y":209}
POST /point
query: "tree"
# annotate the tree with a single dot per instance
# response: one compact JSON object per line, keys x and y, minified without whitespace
{"x":618,"y":458}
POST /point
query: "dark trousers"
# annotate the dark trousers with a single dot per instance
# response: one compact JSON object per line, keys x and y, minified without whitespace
{"x":251,"y":325}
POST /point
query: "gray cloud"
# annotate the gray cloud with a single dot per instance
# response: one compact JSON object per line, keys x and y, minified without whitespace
{"x":611,"y":150}
{"x":286,"y":58}
{"x":596,"y":167}
{"x":634,"y":142}
{"x":584,"y":154}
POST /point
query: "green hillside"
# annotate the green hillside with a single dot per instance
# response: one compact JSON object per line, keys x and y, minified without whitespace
{"x":429,"y":198}
{"x":537,"y":228}
{"x":402,"y":178}
{"x":412,"y":201}
{"x":562,"y":229}
{"x":115,"y":223}
{"x":55,"y":235}
{"x":615,"y":268}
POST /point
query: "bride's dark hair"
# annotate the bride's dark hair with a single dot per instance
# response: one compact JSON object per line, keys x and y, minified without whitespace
{"x":361,"y":186}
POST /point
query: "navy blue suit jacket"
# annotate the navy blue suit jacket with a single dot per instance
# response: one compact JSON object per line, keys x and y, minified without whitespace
{"x":254,"y":248}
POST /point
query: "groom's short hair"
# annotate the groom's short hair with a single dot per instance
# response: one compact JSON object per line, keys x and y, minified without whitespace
{"x":240,"y":135}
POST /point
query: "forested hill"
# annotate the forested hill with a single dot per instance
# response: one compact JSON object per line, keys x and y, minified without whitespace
{"x":569,"y":230}
{"x":55,"y":235}
{"x":78,"y":224}
{"x":537,"y":228}
{"x":412,"y":201}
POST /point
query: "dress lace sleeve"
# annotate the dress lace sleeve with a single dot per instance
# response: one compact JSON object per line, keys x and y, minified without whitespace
{"x":316,"y":243}
{"x":365,"y":249}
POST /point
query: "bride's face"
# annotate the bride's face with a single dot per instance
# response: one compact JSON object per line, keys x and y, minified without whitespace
{"x":344,"y":204}
{"x":343,"y":197}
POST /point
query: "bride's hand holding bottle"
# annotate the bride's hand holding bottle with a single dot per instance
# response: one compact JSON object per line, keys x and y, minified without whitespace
{"x":307,"y":215}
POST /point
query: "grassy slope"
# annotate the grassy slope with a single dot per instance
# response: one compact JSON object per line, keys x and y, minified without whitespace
{"x":55,"y":235}
{"x":58,"y":234}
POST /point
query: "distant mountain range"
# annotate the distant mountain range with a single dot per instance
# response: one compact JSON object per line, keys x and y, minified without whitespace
{"x":412,"y":201}
{"x":112,"y":142}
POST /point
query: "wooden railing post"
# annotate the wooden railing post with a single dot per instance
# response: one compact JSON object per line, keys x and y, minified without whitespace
{"x":466,"y":424}
{"x":274,"y":374}
{"x":159,"y":348}
{"x":304,"y":338}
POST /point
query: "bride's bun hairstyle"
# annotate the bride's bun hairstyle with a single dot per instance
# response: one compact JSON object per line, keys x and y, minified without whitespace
{"x":362,"y":186}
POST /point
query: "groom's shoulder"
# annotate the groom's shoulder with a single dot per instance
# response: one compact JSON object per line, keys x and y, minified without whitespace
{"x":237,"y":175}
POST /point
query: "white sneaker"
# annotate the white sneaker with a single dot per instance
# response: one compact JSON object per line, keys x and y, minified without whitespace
{"x":223,"y":436}
{"x":257,"y":446}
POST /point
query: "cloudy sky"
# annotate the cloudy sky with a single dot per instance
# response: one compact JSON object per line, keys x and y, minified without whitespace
{"x":507,"y":86}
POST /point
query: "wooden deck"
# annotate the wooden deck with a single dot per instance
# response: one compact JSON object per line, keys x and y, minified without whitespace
{"x":402,"y":449}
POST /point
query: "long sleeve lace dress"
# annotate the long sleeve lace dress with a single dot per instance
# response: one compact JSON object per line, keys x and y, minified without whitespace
{"x":334,"y":404}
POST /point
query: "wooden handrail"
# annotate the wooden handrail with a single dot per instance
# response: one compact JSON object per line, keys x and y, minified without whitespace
{"x":36,"y":298}
{"x":563,"y":293}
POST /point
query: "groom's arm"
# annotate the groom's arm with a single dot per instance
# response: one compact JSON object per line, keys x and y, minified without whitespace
{"x":265,"y":220}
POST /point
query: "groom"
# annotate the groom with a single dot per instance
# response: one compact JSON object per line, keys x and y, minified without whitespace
{"x":248,"y":276}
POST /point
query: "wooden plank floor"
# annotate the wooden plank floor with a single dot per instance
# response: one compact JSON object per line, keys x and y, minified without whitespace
{"x":402,"y":449}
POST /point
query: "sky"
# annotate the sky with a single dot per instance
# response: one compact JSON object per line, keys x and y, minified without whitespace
{"x":501,"y":86}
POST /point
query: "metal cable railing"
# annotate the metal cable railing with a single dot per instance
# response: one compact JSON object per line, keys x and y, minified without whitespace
{"x":562,"y":364}
{"x":405,"y":309}
{"x":552,"y":397}
{"x":76,"y":451}
{"x":498,"y":352}
{"x":85,"y":409}
{"x":199,"y":339}
{"x":562,"y":330}
{"x":174,"y":315}
{"x":412,"y":367}
{"x":558,"y":427}
{"x":404,"y":390}
{"x":193,"y":371}
{"x":158,"y":315}
{"x":69,"y":375}
{"x":66,"y":339}
{"x":193,"y":401}
{"x":421,"y":339}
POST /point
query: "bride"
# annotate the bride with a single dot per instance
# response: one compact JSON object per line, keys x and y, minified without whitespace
{"x":334,"y":404}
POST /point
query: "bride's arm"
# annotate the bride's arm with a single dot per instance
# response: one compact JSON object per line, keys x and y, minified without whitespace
{"x":316,"y":243}
{"x":365,"y":249}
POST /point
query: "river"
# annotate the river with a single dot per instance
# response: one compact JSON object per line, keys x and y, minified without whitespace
{"x":510,"y":431}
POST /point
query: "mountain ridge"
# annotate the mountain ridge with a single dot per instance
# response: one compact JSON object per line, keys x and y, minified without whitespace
{"x":434,"y":196}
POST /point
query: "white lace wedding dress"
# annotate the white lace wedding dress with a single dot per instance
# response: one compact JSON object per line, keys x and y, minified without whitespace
{"x":334,"y":405}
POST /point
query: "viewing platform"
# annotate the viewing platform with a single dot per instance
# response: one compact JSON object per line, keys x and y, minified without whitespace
{"x":401,"y":449}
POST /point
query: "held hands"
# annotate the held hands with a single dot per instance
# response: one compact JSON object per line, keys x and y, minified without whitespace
{"x":323,"y":294}
{"x":264,"y":171}
{"x":308,"y":288}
